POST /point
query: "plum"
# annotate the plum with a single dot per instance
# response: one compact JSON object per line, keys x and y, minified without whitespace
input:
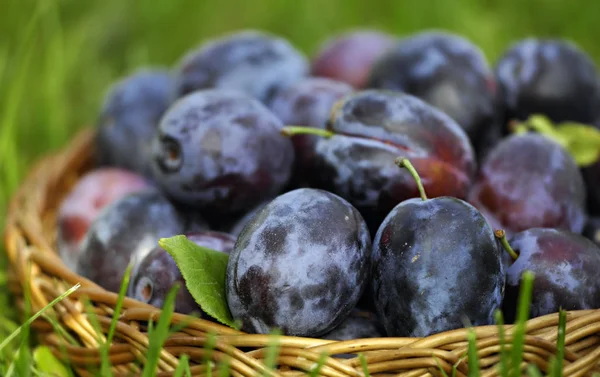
{"x":447,"y":71}
{"x":528,"y":181}
{"x":126,"y":231}
{"x":129,"y":117}
{"x":553,"y":77}
{"x":299,"y":265}
{"x":358,"y":325}
{"x":95,"y":190}
{"x":349,"y":56}
{"x":565,"y":267}
{"x":254,"y":62}
{"x":370,"y":128}
{"x":436,"y":263}
{"x":155,"y":274}
{"x":307,"y":103}
{"x":221,"y":151}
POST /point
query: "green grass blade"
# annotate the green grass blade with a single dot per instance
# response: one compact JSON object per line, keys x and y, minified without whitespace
{"x":27,"y":323}
{"x":560,"y":342}
{"x":160,"y":333}
{"x":437,"y":361}
{"x":183,"y":366}
{"x":522,"y":316}
{"x":273,"y":349}
{"x":504,"y":355}
{"x":105,"y":369}
{"x":209,"y":346}
{"x":315,"y":370}
{"x":363,"y":364}
{"x":533,"y":371}
{"x":473,"y":359}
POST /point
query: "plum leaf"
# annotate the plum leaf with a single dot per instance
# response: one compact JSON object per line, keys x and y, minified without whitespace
{"x":582,"y":141}
{"x":203,"y":271}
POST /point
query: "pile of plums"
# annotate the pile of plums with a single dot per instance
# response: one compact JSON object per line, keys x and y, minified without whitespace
{"x":357,"y":193}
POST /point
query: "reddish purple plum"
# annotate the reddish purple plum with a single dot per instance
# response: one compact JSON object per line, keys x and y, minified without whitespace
{"x":350,"y":55}
{"x":89,"y":196}
{"x":530,"y":181}
{"x":565,"y":267}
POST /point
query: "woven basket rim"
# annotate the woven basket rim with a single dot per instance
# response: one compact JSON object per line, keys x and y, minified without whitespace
{"x":29,"y":238}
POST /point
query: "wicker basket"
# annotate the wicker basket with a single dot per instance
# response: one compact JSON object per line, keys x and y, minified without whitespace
{"x":30,"y":237}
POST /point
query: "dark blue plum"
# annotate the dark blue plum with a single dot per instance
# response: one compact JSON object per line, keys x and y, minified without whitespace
{"x":129,"y":118}
{"x":372,"y":128}
{"x":127,"y":230}
{"x":300,"y":265}
{"x":436,"y":263}
{"x":553,"y":77}
{"x":307,"y":103}
{"x":252,"y":61}
{"x":154,"y":275}
{"x":565,"y":267}
{"x":358,"y":325}
{"x":222,"y":151}
{"x":448,"y":72}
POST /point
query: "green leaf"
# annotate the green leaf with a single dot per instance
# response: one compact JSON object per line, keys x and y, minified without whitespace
{"x":204,"y":271}
{"x":47,"y":363}
{"x":582,"y":141}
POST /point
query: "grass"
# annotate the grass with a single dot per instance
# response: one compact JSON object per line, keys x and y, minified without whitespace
{"x":58,"y":57}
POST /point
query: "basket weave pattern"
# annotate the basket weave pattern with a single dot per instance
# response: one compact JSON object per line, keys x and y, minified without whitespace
{"x":34,"y":266}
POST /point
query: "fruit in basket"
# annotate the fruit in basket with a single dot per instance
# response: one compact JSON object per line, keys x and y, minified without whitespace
{"x":350,"y":55}
{"x":370,"y":129}
{"x":358,"y":325}
{"x":553,"y":77}
{"x":221,"y":151}
{"x":127,"y":230}
{"x":300,"y":265}
{"x":236,"y":228}
{"x":154,"y":275}
{"x":565,"y":266}
{"x":252,"y":61}
{"x":307,"y":103}
{"x":129,"y":117}
{"x":445,"y":70}
{"x":530,"y":181}
{"x":436,"y":264}
{"x":89,"y":196}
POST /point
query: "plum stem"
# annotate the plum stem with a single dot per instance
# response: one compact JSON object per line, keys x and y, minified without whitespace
{"x":405,"y":163}
{"x":501,"y":235}
{"x":301,"y":130}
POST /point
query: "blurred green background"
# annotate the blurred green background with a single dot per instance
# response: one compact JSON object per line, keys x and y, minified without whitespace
{"x":58,"y":57}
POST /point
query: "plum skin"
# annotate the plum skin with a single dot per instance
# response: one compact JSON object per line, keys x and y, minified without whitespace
{"x":126,"y":231}
{"x":350,"y":56}
{"x":445,"y":70}
{"x":374,"y":127}
{"x":565,"y":267}
{"x":129,"y":117}
{"x":434,"y":262}
{"x":553,"y":77}
{"x":221,"y":151}
{"x":307,"y":103}
{"x":91,"y":194}
{"x":530,"y":181}
{"x":154,"y":275}
{"x":251,"y":61}
{"x":299,"y":265}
